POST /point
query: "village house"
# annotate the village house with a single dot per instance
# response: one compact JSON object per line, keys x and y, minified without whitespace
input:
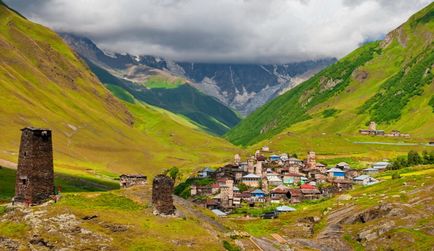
{"x":274,"y":180}
{"x":309,"y":192}
{"x":274,"y":157}
{"x":279,"y":194}
{"x":251,"y":180}
{"x":129,"y":180}
{"x":258,"y":195}
{"x":336,"y":173}
{"x":292,"y":178}
{"x":365,"y":180}
{"x":206,"y":172}
{"x":201,"y":190}
{"x":370,"y":170}
{"x":381,"y":166}
{"x":340,"y":185}
{"x":343,"y":165}
{"x":295,"y":195}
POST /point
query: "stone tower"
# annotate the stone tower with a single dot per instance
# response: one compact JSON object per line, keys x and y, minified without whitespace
{"x":311,"y":160}
{"x":35,"y":175}
{"x":162,"y":189}
{"x":372,"y":126}
{"x":237,"y":159}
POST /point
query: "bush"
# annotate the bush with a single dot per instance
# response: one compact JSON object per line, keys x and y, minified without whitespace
{"x":413,"y":158}
{"x":229,"y":246}
{"x":396,"y":176}
{"x":329,"y":112}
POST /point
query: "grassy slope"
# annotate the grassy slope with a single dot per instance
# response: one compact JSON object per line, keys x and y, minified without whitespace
{"x":128,"y":208}
{"x":43,"y":83}
{"x":291,"y":119}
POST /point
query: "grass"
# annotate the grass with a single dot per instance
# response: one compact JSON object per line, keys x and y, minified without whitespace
{"x":162,"y":83}
{"x":13,"y":230}
{"x":105,"y":201}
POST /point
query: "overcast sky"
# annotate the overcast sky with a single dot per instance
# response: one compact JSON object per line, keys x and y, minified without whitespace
{"x":266,"y":31}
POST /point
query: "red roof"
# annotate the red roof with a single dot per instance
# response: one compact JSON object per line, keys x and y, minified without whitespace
{"x":307,"y":186}
{"x":215,"y":185}
{"x":222,"y":180}
{"x":295,"y":192}
{"x":261,"y":158}
{"x":293,"y":175}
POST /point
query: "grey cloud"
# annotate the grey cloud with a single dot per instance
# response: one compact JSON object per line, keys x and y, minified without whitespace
{"x":226,"y":30}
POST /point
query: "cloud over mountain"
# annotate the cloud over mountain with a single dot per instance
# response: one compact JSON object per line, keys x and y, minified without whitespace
{"x":271,"y":31}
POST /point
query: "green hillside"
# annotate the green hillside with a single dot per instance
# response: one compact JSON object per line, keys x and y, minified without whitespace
{"x":390,"y":82}
{"x":44,"y":84}
{"x":177,"y":97}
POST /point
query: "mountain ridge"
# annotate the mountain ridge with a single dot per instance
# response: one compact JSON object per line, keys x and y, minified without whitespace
{"x":242,"y":87}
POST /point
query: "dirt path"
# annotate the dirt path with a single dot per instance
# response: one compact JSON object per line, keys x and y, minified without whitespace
{"x":188,"y":207}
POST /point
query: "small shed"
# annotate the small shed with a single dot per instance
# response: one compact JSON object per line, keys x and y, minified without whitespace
{"x":285,"y":209}
{"x":218,"y":212}
{"x":129,"y":180}
{"x":365,"y":180}
{"x":381,"y":166}
{"x":370,"y":170}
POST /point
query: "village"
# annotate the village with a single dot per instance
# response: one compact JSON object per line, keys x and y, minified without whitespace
{"x":275,"y":180}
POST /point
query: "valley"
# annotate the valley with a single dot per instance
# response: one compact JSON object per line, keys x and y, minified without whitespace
{"x":126,"y":152}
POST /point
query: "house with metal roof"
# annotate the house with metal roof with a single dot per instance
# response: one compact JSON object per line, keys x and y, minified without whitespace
{"x":365,"y":180}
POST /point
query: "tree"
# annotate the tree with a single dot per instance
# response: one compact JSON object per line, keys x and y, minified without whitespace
{"x":398,"y":163}
{"x":173,"y":173}
{"x":413,"y":158}
{"x":243,"y":187}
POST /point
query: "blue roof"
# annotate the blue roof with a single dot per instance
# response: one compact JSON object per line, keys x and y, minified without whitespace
{"x":258,"y":191}
{"x":251,"y":176}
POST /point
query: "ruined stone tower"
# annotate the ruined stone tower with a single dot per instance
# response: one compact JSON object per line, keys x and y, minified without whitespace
{"x":162,"y":189}
{"x":35,"y":175}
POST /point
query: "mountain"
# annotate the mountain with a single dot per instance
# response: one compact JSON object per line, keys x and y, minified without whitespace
{"x":389,"y":82}
{"x":242,"y":87}
{"x":44,"y":84}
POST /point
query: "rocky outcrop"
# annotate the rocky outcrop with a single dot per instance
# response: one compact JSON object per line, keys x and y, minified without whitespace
{"x":368,"y":215}
{"x":162,"y":200}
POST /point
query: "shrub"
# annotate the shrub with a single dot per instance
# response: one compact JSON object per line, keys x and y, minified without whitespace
{"x":396,"y":176}
{"x":229,"y":246}
{"x":329,"y":112}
